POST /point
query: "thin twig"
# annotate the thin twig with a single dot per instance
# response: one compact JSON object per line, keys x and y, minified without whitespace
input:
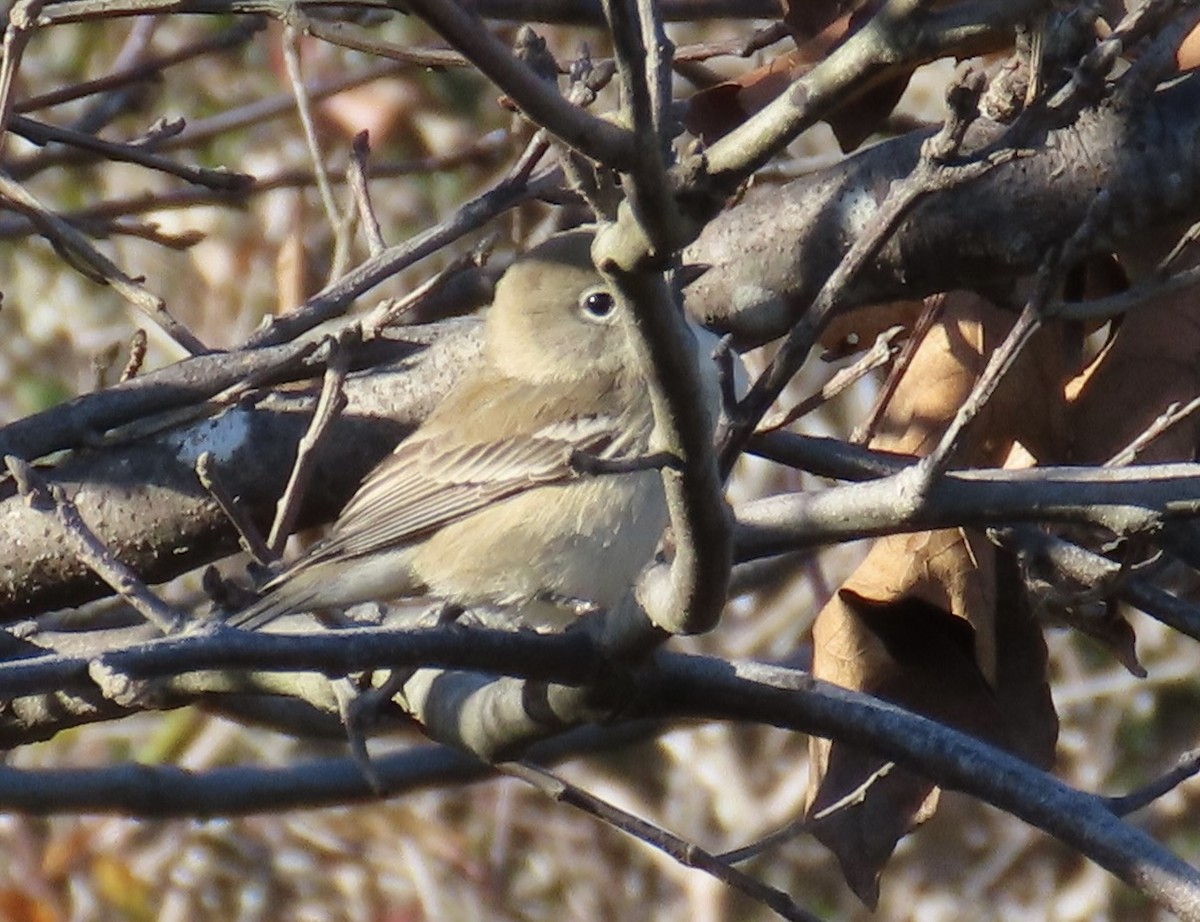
{"x":137,"y":355}
{"x":85,"y":258}
{"x":238,"y":34}
{"x":242,"y":389}
{"x":1170,"y":417}
{"x":595,"y":185}
{"x":141,"y":230}
{"x":865,"y":431}
{"x":1156,"y":285}
{"x":41,"y":134}
{"x":388,"y":312}
{"x":998,"y":365}
{"x":879,"y":354}
{"x":356,"y":178}
{"x":1186,"y":239}
{"x":330,"y":403}
{"x":355,"y":717}
{"x":291,"y":57}
{"x":249,"y":536}
{"x":681,"y":850}
{"x":805,"y":824}
{"x":91,"y":551}
{"x":738,"y":46}
{"x":1187,"y":767}
{"x":22,"y":23}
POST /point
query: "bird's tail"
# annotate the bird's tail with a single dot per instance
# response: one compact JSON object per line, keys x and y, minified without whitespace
{"x":283,"y":595}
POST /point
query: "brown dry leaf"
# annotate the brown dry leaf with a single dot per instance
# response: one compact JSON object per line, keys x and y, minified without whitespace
{"x":853,"y":330}
{"x":871,"y":638}
{"x":945,"y":368}
{"x":917,"y":622}
{"x":951,"y":569}
{"x":915,"y":625}
{"x":1188,"y":56}
{"x":1152,"y":361}
{"x":714,"y":112}
{"x":382,"y":109}
{"x":19,"y":906}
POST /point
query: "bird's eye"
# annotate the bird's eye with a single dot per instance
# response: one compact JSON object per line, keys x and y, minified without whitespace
{"x":597,"y":304}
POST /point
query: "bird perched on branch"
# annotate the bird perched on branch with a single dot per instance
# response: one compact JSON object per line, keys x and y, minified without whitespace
{"x":506,"y":495}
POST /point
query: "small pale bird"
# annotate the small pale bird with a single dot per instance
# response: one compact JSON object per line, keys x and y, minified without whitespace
{"x":482,"y":504}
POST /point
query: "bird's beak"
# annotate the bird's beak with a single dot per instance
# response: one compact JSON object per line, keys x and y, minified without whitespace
{"x":688,"y":273}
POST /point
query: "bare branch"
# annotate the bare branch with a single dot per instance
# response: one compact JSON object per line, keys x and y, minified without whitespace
{"x":331,"y":402}
{"x":91,"y":550}
{"x":686,"y":853}
{"x":85,"y":258}
{"x":594,"y":137}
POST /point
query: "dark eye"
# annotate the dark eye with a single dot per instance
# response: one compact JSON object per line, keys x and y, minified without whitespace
{"x":597,"y":305}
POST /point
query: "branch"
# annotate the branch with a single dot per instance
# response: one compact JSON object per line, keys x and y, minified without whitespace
{"x":162,"y":791}
{"x":336,"y":297}
{"x":688,"y":596}
{"x":908,"y":32}
{"x":167,"y":523}
{"x":594,"y":137}
{"x":678,"y":687}
{"x":79,"y":253}
{"x":1123,"y":500}
{"x":685,"y":686}
{"x":771,"y":253}
{"x":50,"y":499}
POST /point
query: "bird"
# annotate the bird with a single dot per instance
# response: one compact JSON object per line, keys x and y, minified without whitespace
{"x":486,"y":503}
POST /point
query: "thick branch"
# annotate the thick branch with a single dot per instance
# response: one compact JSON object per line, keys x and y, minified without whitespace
{"x":687,"y":686}
{"x":144,"y":495}
{"x":771,"y":254}
{"x":1123,"y":500}
{"x":690,"y":687}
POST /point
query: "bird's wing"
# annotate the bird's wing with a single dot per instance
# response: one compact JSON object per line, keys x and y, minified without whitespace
{"x":427,"y":484}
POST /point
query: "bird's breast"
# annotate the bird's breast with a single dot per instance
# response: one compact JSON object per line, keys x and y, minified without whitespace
{"x":584,"y":540}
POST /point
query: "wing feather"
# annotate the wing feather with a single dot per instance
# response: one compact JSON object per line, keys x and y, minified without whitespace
{"x":426,"y":485}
